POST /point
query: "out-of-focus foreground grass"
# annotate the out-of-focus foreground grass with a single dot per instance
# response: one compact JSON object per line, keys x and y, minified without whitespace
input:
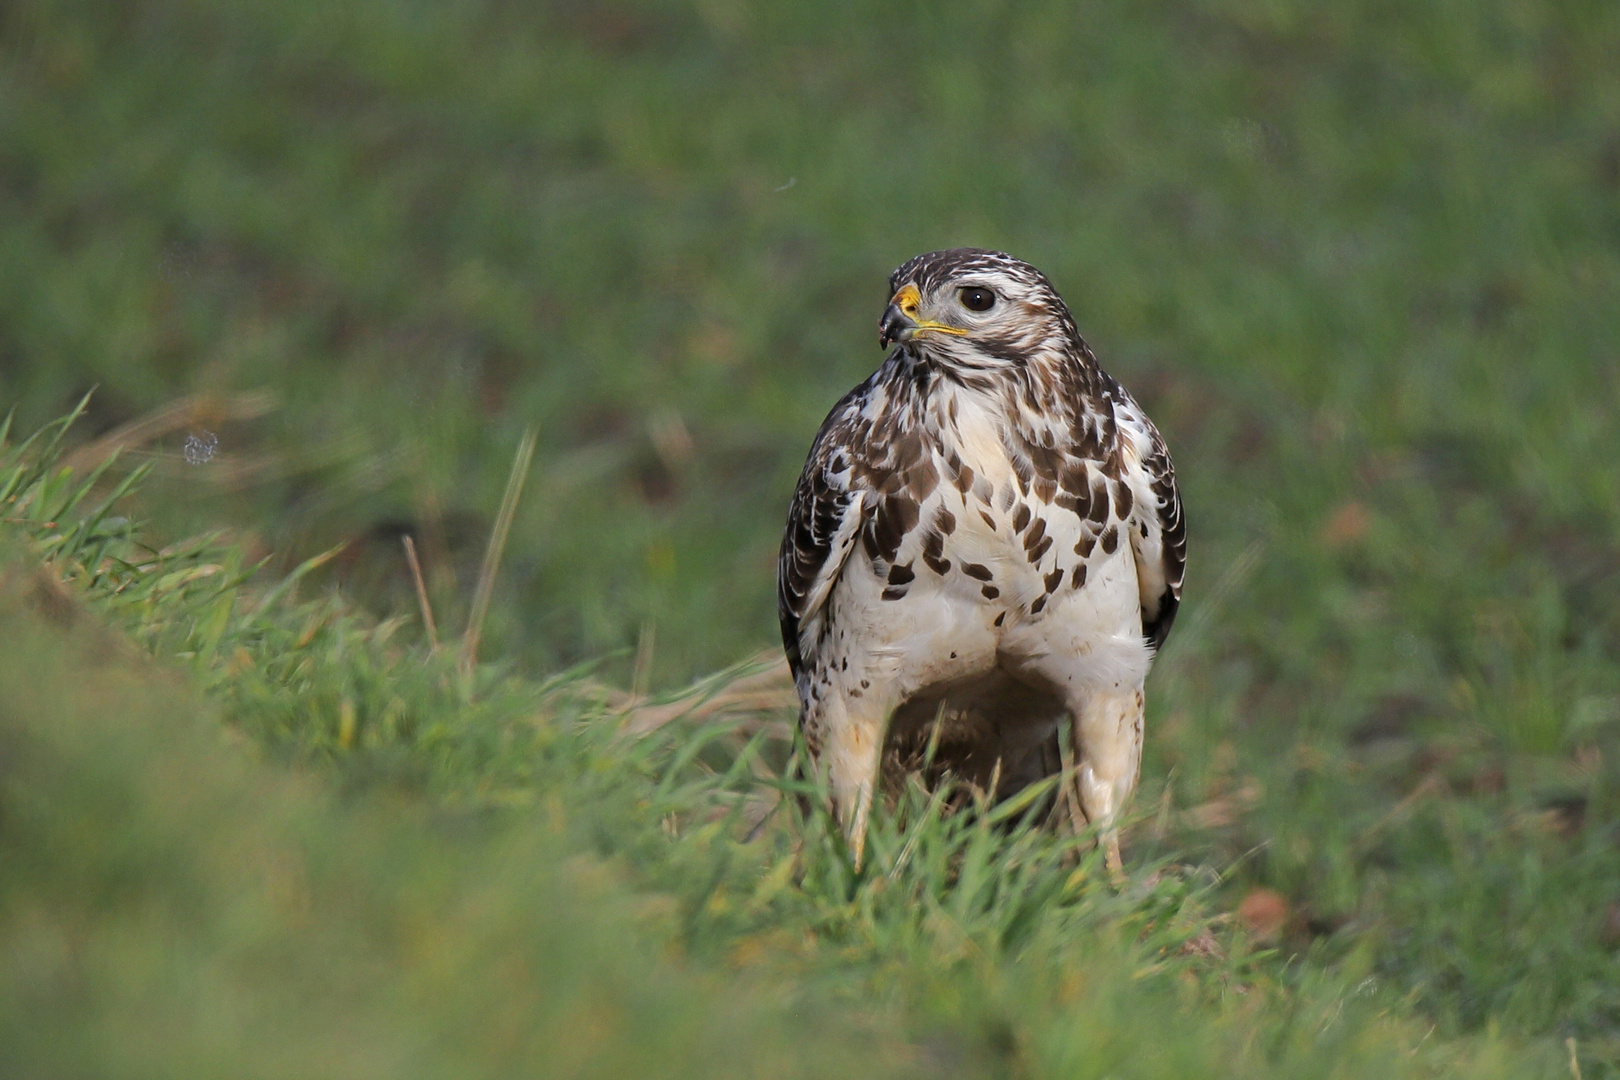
{"x":170,"y":908}
{"x":1359,"y":261}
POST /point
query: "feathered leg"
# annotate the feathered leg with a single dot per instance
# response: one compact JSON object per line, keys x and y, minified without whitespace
{"x":849,"y":748}
{"x":1107,"y":734}
{"x":852,"y":731}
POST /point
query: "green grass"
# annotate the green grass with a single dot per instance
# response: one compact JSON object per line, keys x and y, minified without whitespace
{"x":480,"y":874}
{"x":1358,"y":261}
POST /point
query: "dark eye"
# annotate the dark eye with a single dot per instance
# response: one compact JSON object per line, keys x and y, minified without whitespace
{"x":977,"y":299}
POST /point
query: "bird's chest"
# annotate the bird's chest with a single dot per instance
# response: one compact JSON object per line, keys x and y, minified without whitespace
{"x":989,"y":536}
{"x":986,"y":489}
{"x":1003,"y":525}
{"x":975,"y":556}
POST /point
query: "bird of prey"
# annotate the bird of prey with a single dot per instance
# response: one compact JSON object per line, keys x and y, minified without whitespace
{"x":987,"y":540}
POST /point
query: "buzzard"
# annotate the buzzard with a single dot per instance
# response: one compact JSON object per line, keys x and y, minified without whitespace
{"x":987,"y":540}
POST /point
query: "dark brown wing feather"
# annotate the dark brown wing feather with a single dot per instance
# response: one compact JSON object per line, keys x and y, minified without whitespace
{"x":824,"y":520}
{"x":1156,"y":621}
{"x":1158,"y":530}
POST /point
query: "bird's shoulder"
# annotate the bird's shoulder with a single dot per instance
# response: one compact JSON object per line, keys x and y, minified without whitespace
{"x":1157,"y":527}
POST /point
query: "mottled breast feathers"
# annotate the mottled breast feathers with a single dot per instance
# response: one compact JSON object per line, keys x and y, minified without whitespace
{"x":1072,"y":435}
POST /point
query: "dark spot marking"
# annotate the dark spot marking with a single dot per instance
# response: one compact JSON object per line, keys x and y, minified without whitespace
{"x":893,"y":594}
{"x":964,"y":479}
{"x":990,"y":591}
{"x":1001,"y":618}
{"x":922,"y":479}
{"x":1008,"y":497}
{"x":1043,"y":457}
{"x":944,"y":521}
{"x":977,"y":570}
{"x":988,"y":520}
{"x":1039,"y":550}
{"x":1084,"y":546}
{"x":1076,"y":491}
{"x":896,"y":516}
{"x":1100,"y":502}
{"x":1123,"y":498}
{"x":953,"y":656}
{"x":901,"y":574}
{"x":1035,"y":534}
{"x":1053,"y":580}
{"x":1038,"y":606}
{"x":1079,"y":575}
{"x":1021,"y":518}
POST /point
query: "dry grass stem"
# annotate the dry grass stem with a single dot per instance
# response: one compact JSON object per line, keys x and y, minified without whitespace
{"x":492,"y":556}
{"x":421,"y":592}
{"x":1431,"y":784}
{"x":767,"y":691}
{"x":641,"y":673}
{"x":176,"y":416}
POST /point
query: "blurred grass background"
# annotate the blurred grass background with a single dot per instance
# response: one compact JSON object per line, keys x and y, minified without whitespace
{"x":1360,"y":261}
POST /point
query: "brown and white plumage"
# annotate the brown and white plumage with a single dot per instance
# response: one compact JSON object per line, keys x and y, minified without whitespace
{"x":987,"y":531}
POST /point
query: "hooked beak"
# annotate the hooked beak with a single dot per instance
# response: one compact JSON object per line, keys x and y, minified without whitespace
{"x":895,"y":326}
{"x":900,"y":322}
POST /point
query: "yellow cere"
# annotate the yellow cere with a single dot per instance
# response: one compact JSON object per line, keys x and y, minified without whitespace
{"x":908,"y":299}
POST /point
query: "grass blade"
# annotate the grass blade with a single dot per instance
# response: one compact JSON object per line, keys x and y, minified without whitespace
{"x":422,"y":601}
{"x":492,"y":556}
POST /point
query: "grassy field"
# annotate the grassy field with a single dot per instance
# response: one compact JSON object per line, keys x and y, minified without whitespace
{"x":326,"y":263}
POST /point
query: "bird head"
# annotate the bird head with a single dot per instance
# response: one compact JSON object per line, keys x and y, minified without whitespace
{"x":975,"y":309}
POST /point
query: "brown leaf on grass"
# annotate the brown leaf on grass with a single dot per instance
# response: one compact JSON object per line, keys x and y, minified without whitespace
{"x":1347,"y":524}
{"x":1264,"y":913}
